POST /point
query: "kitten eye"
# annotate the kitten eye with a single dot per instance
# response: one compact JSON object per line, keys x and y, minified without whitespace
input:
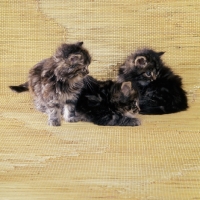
{"x":133,"y":105}
{"x":148,"y":73}
{"x":128,"y":107}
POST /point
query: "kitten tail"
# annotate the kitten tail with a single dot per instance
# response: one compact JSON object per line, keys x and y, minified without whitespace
{"x":20,"y":88}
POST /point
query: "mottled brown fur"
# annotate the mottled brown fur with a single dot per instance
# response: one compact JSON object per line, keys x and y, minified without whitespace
{"x":56,"y":82}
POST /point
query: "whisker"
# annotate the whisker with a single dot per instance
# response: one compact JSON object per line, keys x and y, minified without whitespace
{"x":89,"y":85}
{"x":88,"y":81}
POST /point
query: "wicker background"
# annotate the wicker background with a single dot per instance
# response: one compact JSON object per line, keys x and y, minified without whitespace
{"x":159,"y":160}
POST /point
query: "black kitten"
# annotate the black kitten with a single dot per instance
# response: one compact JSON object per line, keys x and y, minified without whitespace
{"x":160,"y":89}
{"x":108,"y":103}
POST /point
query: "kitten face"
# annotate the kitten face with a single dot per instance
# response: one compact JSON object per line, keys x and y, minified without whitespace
{"x":125,"y":99}
{"x":144,"y":64}
{"x":73,"y":61}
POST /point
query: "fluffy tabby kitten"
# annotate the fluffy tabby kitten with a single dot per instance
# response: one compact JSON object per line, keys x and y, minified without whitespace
{"x":56,"y":82}
{"x":160,"y":89}
{"x":108,"y":103}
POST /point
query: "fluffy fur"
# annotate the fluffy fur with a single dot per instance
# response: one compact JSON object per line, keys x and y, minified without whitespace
{"x":160,"y":89}
{"x":108,"y":103}
{"x":56,"y":82}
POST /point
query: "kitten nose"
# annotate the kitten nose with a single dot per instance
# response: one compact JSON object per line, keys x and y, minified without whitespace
{"x":153,"y":76}
{"x":137,"y":106}
{"x":86,"y":71}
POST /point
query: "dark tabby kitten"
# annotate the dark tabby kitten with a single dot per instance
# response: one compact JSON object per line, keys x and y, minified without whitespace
{"x":56,"y":82}
{"x":108,"y":103}
{"x":160,"y":89}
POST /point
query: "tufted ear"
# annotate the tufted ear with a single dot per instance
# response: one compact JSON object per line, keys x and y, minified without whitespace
{"x":79,"y":44}
{"x":126,"y":88}
{"x":160,"y":53}
{"x":141,"y":61}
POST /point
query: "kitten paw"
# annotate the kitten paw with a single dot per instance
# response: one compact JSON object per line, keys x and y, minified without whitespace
{"x":135,"y":122}
{"x":72,"y":119}
{"x":54,"y":122}
{"x":138,"y":122}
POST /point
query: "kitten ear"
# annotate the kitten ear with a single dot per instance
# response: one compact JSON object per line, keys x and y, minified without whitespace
{"x":160,"y":53}
{"x":126,"y":88}
{"x":79,"y":44}
{"x":141,"y":61}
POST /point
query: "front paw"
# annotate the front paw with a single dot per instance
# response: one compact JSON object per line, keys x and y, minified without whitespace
{"x":135,"y":122}
{"x":54,"y":122}
{"x":72,"y":119}
{"x":138,"y":122}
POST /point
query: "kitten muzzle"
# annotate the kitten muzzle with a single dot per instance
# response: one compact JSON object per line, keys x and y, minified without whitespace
{"x":136,"y":109}
{"x":85,"y":71}
{"x":153,"y":76}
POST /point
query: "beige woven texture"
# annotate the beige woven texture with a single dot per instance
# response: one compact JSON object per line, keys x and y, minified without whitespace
{"x":160,"y":160}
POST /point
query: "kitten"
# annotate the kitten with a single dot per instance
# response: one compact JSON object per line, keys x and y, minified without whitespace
{"x":160,"y":89}
{"x":108,"y":103}
{"x":56,"y":82}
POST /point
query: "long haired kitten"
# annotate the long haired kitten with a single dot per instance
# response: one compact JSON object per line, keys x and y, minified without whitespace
{"x":56,"y":82}
{"x":160,"y":89}
{"x":108,"y":103}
